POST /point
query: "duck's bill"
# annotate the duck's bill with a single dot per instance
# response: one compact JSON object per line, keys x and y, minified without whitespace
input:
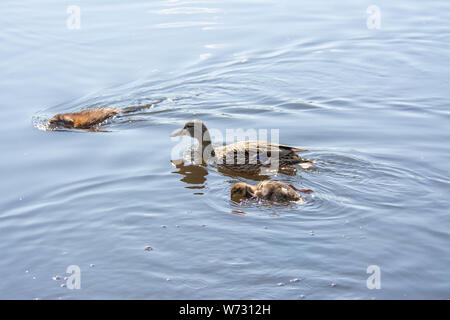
{"x":181,"y":132}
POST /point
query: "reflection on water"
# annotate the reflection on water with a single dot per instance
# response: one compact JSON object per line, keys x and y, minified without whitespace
{"x":193,"y":174}
{"x":249,"y":176}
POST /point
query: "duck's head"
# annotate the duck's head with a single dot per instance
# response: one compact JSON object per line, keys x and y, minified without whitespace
{"x":241,"y":190}
{"x":61,"y":120}
{"x":193,"y":129}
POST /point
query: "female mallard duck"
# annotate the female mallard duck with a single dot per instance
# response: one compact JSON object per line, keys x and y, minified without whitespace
{"x":267,"y":190}
{"x":244,"y":156}
{"x":85,"y":119}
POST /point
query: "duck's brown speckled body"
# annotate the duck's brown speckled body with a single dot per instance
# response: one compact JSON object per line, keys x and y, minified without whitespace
{"x":271,"y":190}
{"x":85,"y":119}
{"x":242,"y":156}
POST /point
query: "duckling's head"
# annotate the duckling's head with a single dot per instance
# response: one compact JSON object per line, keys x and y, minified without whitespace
{"x":241,"y":190}
{"x":61,"y":120}
{"x":193,"y":129}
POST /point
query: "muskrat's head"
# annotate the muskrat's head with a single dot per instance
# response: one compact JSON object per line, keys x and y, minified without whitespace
{"x":61,"y":120}
{"x":193,"y":129}
{"x":240,"y":191}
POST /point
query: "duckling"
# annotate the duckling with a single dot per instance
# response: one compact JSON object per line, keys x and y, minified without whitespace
{"x":243,"y":156}
{"x":85,"y":119}
{"x":271,"y":190}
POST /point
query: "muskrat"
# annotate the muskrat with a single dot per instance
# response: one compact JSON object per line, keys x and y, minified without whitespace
{"x":85,"y":119}
{"x":271,"y":190}
{"x":88,"y":118}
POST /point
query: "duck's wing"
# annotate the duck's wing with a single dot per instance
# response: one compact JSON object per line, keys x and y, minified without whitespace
{"x":255,"y":151}
{"x":264,"y":147}
{"x":277,"y":191}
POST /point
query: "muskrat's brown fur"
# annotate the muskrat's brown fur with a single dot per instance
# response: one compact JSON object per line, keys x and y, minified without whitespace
{"x":85,"y":119}
{"x":271,"y":190}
